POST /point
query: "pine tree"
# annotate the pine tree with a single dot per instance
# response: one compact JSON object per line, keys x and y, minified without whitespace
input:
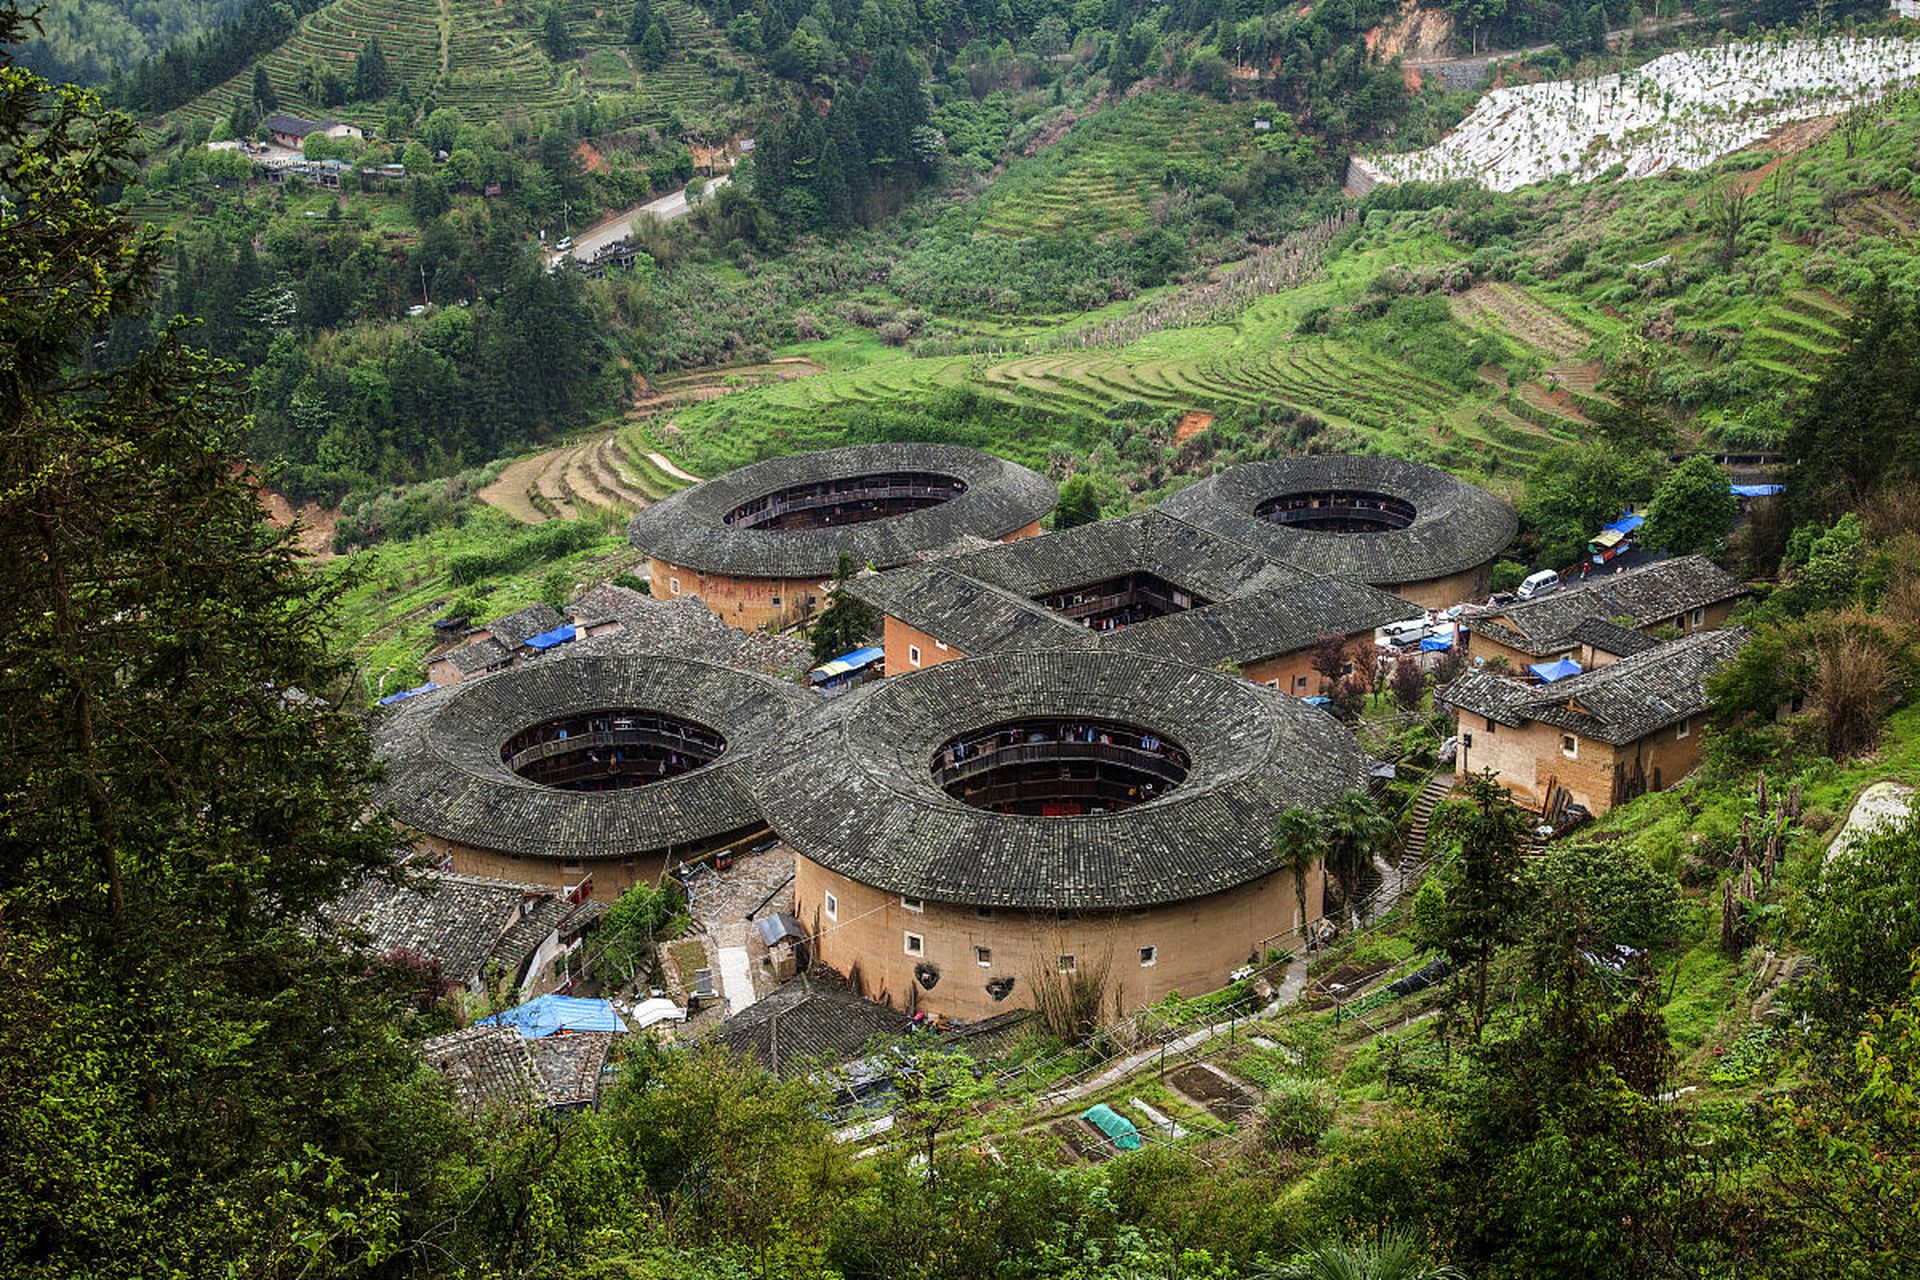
{"x":265,"y":100}
{"x":555,"y":35}
{"x":653,"y":47}
{"x":371,"y":78}
{"x":830,"y":188}
{"x":640,"y":22}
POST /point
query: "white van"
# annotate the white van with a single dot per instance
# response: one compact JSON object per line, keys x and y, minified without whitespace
{"x":1538,"y":584}
{"x":1399,"y":635}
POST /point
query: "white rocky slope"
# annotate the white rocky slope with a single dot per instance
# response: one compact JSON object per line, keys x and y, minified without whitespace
{"x":1683,"y":110}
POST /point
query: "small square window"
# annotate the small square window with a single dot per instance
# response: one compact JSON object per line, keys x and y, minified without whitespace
{"x":1490,"y":728}
{"x":1569,"y":746}
{"x":1067,"y":964}
{"x":983,"y":956}
{"x":983,"y":913}
{"x":1466,"y":740}
{"x":1686,"y":727}
{"x":1699,"y":617}
{"x":1274,"y":683}
{"x":913,"y":654}
{"x":912,"y":904}
{"x":1062,"y":917}
{"x":776,"y":600}
{"x":1149,"y":956}
{"x":673,"y":585}
{"x":833,"y":907}
{"x":916,"y":945}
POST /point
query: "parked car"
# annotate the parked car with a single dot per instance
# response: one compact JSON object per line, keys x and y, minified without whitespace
{"x":1399,"y":635}
{"x":1538,"y":584}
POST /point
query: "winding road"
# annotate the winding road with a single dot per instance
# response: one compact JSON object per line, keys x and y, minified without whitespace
{"x":668,"y":208}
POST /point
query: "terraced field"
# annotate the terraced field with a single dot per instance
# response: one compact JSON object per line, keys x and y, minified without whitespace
{"x":607,"y":477}
{"x":466,"y":54}
{"x":1797,"y":333}
{"x":1100,"y":177}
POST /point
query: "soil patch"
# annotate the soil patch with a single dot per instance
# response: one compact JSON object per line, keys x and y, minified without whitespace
{"x":1080,"y":1142}
{"x":1224,"y":1098}
{"x":1191,"y":424}
{"x":316,"y":522}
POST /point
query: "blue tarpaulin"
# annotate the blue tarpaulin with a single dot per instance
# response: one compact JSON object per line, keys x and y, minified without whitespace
{"x":1317,"y":700}
{"x":1756,"y":490}
{"x":546,"y":1015}
{"x":1436,"y":644}
{"x":404,"y":694}
{"x":1551,"y":671}
{"x":1627,"y":523}
{"x":846,"y":663}
{"x":1116,"y":1126}
{"x":548,"y":639}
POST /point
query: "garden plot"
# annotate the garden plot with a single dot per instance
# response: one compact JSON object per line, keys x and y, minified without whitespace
{"x":1684,"y":111}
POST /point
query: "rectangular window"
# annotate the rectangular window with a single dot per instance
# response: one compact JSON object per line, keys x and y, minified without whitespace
{"x":913,"y":654}
{"x":1490,"y":728}
{"x":1300,"y":683}
{"x":1686,"y":727}
{"x":1569,"y":746}
{"x":833,"y":907}
{"x":916,"y":945}
{"x":1466,"y":740}
{"x":673,"y":585}
{"x":571,"y":864}
{"x":1273,"y":684}
{"x":1148,"y":957}
{"x":1699,"y":617}
{"x":912,"y":904}
{"x":983,"y":956}
{"x":1068,"y":964}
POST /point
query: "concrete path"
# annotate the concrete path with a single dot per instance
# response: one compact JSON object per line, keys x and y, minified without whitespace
{"x":736,"y":978}
{"x":668,"y":465}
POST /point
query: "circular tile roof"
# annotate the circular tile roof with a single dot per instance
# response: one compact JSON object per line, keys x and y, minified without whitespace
{"x":446,"y":778}
{"x":851,"y":786}
{"x":690,"y":528}
{"x":1456,"y":526}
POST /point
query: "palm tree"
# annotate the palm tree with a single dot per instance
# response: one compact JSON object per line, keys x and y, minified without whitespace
{"x":1299,"y":843}
{"x":1392,"y":1256}
{"x":1356,"y":833}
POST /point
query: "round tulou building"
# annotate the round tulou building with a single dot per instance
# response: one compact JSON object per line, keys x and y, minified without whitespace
{"x":975,"y":835}
{"x":602,"y":766}
{"x":756,"y":545}
{"x":1400,"y":526}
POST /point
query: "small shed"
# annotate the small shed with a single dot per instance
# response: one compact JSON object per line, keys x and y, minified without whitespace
{"x":847,"y":670}
{"x":554,"y":1015}
{"x":786,"y":943}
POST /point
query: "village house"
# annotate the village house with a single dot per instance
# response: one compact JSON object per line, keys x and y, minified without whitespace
{"x":760,"y":545}
{"x":1686,"y":593}
{"x":1401,"y":526}
{"x":292,"y":131}
{"x":1149,"y":584}
{"x":594,"y":768}
{"x":496,"y":645}
{"x":478,"y":932}
{"x":1594,"y":739}
{"x":543,"y":1056}
{"x":968,"y":835}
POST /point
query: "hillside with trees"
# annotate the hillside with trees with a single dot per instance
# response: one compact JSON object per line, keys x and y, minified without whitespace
{"x":1108,"y":241}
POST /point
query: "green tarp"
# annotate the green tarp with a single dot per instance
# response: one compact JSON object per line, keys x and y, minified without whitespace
{"x":1114,"y":1125}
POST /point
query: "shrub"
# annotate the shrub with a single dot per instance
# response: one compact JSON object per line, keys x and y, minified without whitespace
{"x":1296,"y":1114}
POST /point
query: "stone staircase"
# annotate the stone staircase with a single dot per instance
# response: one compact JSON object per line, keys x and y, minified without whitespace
{"x":1413,"y":851}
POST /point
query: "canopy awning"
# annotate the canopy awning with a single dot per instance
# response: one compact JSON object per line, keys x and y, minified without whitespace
{"x":548,"y":639}
{"x":1756,"y":490}
{"x":1626,"y":524}
{"x":1558,"y":670}
{"x":1609,"y":538}
{"x":1436,"y":644}
{"x":778,"y":928}
{"x":847,"y":663}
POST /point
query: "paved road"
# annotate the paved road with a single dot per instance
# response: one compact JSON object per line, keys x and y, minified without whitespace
{"x":668,"y":208}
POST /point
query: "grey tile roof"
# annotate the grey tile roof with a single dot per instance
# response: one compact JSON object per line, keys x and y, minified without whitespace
{"x":567,"y":1066}
{"x":467,"y":923}
{"x":682,"y":625}
{"x":1619,"y":703}
{"x":1258,"y":607}
{"x":479,"y":655}
{"x":690,"y":528}
{"x":851,"y":787}
{"x":445,"y":776}
{"x":607,"y":601}
{"x":1649,"y":595}
{"x":1611,"y":637}
{"x":515,"y":629}
{"x":1456,"y":526}
{"x":488,"y":1068}
{"x":812,"y":1021}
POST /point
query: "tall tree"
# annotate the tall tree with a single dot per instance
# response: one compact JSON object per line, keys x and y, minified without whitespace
{"x":1483,"y":890}
{"x":371,"y":77}
{"x":1692,"y":511}
{"x":265,"y":100}
{"x":1079,"y":503}
{"x":555,"y":35}
{"x":1300,"y":844}
{"x":846,"y":622}
{"x":199,"y":1080}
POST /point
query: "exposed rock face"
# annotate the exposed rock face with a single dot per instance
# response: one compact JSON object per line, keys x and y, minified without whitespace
{"x":1414,"y":35}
